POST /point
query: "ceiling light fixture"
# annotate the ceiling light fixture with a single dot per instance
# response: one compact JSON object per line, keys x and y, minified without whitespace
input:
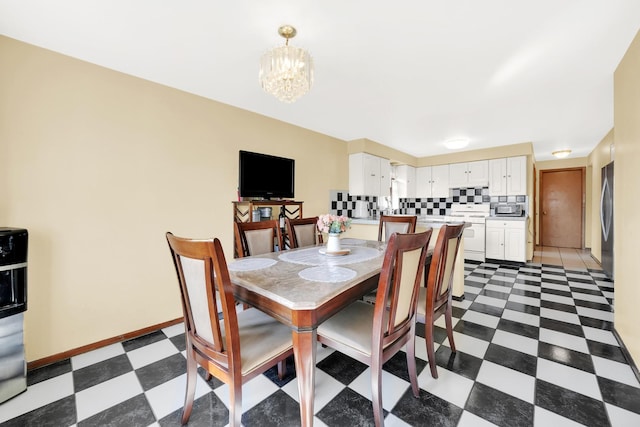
{"x":456,"y":144}
{"x":286,"y":72}
{"x":561,"y":154}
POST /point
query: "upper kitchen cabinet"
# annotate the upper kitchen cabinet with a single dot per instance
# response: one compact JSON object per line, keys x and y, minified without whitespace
{"x":369,"y":175}
{"x":471,"y":174}
{"x":405,"y":181}
{"x":508,"y":176}
{"x":432,"y":181}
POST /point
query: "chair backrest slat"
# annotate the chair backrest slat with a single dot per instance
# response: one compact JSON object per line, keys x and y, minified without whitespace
{"x":204,"y":281}
{"x":397,"y":294}
{"x":259,"y":241}
{"x":303,"y":232}
{"x":257,"y":238}
{"x":390,"y":224}
{"x":440,"y":278}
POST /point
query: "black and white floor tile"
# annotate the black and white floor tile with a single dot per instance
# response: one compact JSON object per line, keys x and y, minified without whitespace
{"x":535,"y":348}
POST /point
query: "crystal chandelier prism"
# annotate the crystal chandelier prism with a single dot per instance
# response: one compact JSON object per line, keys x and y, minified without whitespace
{"x":286,"y":72}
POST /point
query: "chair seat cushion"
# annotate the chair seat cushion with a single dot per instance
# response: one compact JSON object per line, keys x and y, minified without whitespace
{"x":351,"y":326}
{"x":261,"y":338}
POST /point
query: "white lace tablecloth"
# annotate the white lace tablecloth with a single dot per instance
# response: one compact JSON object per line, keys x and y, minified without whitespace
{"x":312,"y":256}
{"x":249,"y":264}
{"x":347,"y":241}
{"x":327,"y":274}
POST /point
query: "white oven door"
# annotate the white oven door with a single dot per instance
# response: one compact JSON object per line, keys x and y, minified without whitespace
{"x":474,"y":238}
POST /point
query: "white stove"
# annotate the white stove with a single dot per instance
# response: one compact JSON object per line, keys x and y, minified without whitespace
{"x":474,"y":236}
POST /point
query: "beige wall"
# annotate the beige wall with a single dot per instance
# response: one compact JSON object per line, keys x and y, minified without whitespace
{"x":600,"y":156}
{"x":626,"y":181}
{"x":98,"y":165}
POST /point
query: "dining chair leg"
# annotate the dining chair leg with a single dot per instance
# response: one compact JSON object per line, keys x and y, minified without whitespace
{"x":449,"y":323}
{"x":411,"y":366}
{"x":192,"y":379}
{"x":235,"y":403}
{"x":428,"y":336}
{"x":376,"y":393}
{"x":282,"y":369}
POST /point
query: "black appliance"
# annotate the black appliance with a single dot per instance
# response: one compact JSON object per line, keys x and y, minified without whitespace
{"x":265,"y":176}
{"x":13,"y":304}
{"x":606,"y":220}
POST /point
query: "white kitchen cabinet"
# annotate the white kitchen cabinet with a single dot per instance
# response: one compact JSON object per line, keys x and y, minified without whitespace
{"x":506,"y":240}
{"x":508,"y":176}
{"x":498,"y":177}
{"x":385,"y":178}
{"x":470,"y":174}
{"x":516,"y":176}
{"x":432,"y":181}
{"x":405,"y":181}
{"x":369,"y":175}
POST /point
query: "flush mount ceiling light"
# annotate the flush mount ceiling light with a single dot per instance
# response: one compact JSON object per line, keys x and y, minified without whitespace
{"x":456,"y":144}
{"x":561,"y":154}
{"x":286,"y":72}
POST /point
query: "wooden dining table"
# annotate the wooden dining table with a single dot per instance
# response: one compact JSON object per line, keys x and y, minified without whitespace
{"x":302,"y":288}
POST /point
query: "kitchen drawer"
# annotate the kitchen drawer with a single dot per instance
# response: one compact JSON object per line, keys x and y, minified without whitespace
{"x":498,"y":223}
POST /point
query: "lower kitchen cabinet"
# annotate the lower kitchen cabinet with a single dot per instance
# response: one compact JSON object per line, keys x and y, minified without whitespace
{"x":506,"y":239}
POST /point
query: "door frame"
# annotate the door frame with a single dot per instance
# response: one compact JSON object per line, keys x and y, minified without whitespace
{"x":583,"y":197}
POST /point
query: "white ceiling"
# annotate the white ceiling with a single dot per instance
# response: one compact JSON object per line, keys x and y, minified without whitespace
{"x":408,"y":74}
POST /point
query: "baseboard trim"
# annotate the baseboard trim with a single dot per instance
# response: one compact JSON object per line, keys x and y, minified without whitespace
{"x":35,"y":364}
{"x":594,"y":258}
{"x":627,"y":355}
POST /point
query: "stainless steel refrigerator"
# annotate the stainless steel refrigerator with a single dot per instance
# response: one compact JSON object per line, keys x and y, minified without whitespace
{"x":13,"y":303}
{"x":606,"y":219}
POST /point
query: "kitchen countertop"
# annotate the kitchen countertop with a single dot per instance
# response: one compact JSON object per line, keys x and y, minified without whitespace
{"x":507,"y":218}
{"x":434,"y":220}
{"x":423,"y":220}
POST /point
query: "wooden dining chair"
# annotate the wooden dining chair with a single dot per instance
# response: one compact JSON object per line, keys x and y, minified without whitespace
{"x":436,"y":297}
{"x":372,"y":334}
{"x":396,"y":224}
{"x":256,"y":238}
{"x":303,"y":232}
{"x":235,"y":347}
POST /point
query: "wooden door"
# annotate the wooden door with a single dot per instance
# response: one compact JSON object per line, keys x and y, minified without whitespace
{"x":561,"y":207}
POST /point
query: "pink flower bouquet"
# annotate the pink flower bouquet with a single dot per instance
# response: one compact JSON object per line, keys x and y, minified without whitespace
{"x":333,"y":224}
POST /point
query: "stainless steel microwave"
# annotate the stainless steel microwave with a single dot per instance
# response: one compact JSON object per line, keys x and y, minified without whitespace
{"x":509,"y":209}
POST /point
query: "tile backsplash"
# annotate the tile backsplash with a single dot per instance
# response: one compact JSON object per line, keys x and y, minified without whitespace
{"x":439,"y":206}
{"x":342,"y":203}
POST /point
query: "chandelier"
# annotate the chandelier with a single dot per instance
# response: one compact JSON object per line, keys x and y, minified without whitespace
{"x":286,"y":72}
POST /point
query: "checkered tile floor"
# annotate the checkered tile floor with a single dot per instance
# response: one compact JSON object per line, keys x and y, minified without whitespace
{"x":535,"y":348}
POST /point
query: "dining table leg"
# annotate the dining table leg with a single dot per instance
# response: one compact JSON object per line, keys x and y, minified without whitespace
{"x":304,"y":350}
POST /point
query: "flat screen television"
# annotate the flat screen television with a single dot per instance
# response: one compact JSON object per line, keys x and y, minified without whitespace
{"x":266,"y":176}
